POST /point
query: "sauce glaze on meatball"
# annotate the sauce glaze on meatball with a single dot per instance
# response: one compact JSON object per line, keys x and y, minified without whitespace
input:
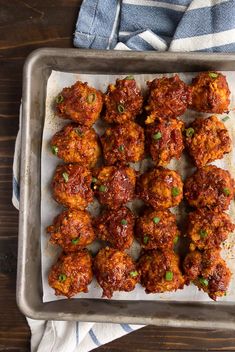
{"x":209,"y":187}
{"x":123,"y":143}
{"x":71,"y":274}
{"x":72,"y":230}
{"x":80,"y":103}
{"x":115,"y":271}
{"x":71,"y":186}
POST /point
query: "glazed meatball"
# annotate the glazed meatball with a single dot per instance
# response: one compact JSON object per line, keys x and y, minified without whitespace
{"x":123,"y":143}
{"x":208,"y":271}
{"x":159,"y":271}
{"x":123,"y":101}
{"x":116,"y":227}
{"x":72,"y":230}
{"x":71,"y":186}
{"x":168,"y":98}
{"x":207,"y":229}
{"x":71,"y":274}
{"x":164,"y":141}
{"x":209,"y":187}
{"x":160,"y":188}
{"x":157,"y":230}
{"x":115,"y":271}
{"x":114,"y":186}
{"x":76,"y":144}
{"x":210,"y":93}
{"x":207,"y":140}
{"x":80,"y":103}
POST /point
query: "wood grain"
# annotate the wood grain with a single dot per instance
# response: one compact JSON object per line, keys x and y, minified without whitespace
{"x":26,"y":25}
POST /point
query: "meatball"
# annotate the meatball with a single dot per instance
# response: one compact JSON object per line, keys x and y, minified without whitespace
{"x":157,"y":230}
{"x":161,"y":188}
{"x":210,"y":93}
{"x":71,"y":186}
{"x":116,"y":227}
{"x":164,"y":141}
{"x":72,"y":230}
{"x":207,"y":229}
{"x":76,"y":144}
{"x":207,"y":140}
{"x":209,"y":187}
{"x":208,"y":271}
{"x":123,"y":101}
{"x":115,"y":271}
{"x":80,"y":103}
{"x":168,"y":98}
{"x":114,"y":186}
{"x":159,"y":271}
{"x":123,"y":143}
{"x":71,"y":274}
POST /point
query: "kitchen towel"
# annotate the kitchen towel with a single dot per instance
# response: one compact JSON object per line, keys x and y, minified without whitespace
{"x":173,"y":25}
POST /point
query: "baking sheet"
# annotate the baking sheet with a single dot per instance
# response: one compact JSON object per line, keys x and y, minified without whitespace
{"x":49,"y":208}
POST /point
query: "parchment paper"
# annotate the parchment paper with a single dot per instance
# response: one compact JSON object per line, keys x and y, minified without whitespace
{"x":49,"y":208}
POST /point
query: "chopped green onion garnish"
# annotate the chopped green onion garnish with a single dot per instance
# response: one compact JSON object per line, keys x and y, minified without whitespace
{"x":54,"y":149}
{"x":157,"y":136}
{"x":176,"y":239}
{"x":203,"y":281}
{"x":189,"y":132}
{"x":175,"y":191}
{"x":79,"y":132}
{"x":146,"y":239}
{"x":75,"y":240}
{"x":203,"y":233}
{"x":213,"y":75}
{"x":62,"y":277}
{"x":91,"y":98}
{"x":169,"y":276}
{"x":120,"y":108}
{"x":124,"y":222}
{"x":156,"y":220}
{"x":59,"y":99}
{"x":134,"y":273}
{"x":121,"y":148}
{"x":226,"y":191}
{"x":226,"y":118}
{"x":103,"y":188}
{"x":65,"y":176}
{"x":129,"y":77}
{"x":94,"y":180}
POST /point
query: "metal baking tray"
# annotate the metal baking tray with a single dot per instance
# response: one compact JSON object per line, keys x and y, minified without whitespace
{"x":37,"y":69}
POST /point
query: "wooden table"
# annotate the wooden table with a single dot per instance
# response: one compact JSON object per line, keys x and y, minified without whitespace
{"x":25,"y":26}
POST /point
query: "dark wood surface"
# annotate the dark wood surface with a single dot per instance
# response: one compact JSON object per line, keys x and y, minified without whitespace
{"x":25,"y":26}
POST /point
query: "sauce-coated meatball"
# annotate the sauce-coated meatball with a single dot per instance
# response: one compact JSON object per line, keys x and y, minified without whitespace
{"x":71,"y":186}
{"x":161,"y":188}
{"x":76,"y":144}
{"x":123,"y":143}
{"x":207,"y":140}
{"x":209,"y":187}
{"x":72,"y":230}
{"x":168,"y":98}
{"x":157,"y":230}
{"x":71,"y":274}
{"x":115,"y":271}
{"x":210,"y":93}
{"x":123,"y":101}
{"x":114,"y":186}
{"x":159,"y":271}
{"x":164,"y":141}
{"x":80,"y":103}
{"x":208,"y":271}
{"x":116,"y":227}
{"x":207,"y":229}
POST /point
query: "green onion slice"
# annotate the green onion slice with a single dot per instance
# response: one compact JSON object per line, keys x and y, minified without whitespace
{"x":213,"y":75}
{"x":203,"y":233}
{"x":121,"y":148}
{"x":156,"y":220}
{"x":65,"y":176}
{"x":121,"y":108}
{"x":134,"y":273}
{"x":175,"y":191}
{"x":146,"y":239}
{"x":54,"y":149}
{"x":157,"y":136}
{"x":226,"y":191}
{"x":189,"y":132}
{"x":79,"y":132}
{"x":176,"y":239}
{"x":91,"y":98}
{"x":226,"y":118}
{"x":124,"y":222}
{"x":94,"y":180}
{"x":103,"y":188}
{"x":130,"y":77}
{"x":203,"y":281}
{"x":59,"y":99}
{"x":62,"y":277}
{"x":75,"y":240}
{"x":169,"y":276}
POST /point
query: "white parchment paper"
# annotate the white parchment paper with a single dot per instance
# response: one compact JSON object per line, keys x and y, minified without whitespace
{"x":49,"y":208}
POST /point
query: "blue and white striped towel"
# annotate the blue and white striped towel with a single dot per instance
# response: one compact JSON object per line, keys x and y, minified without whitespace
{"x":174,"y":25}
